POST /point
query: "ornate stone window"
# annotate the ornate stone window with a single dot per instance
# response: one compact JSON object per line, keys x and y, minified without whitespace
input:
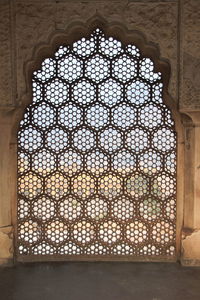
{"x":97,"y":156}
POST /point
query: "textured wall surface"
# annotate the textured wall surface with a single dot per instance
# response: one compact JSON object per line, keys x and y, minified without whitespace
{"x":33,"y":22}
{"x":6,"y":242}
{"x":5,"y":54}
{"x":36,"y":22}
{"x":190,"y":248}
{"x":190,"y":87}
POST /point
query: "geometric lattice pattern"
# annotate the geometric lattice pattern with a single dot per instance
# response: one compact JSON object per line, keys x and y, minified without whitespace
{"x":97,"y":156}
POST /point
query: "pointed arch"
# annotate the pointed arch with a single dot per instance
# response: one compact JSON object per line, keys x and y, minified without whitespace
{"x":114,"y":30}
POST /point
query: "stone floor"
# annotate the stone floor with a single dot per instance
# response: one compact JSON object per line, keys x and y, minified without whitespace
{"x":101,"y":280}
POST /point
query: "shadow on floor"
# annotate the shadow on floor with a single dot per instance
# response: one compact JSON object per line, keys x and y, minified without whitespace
{"x":99,"y":281}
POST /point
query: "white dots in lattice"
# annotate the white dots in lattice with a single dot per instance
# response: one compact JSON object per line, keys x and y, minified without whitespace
{"x":150,"y":250}
{"x":136,"y":232}
{"x":97,"y":116}
{"x":150,"y":116}
{"x":140,"y":137}
{"x":110,"y":47}
{"x":56,"y":92}
{"x":150,"y":209}
{"x":70,"y":208}
{"x":157,"y":96}
{"x":97,"y":208}
{"x":70,"y":68}
{"x":137,"y":186}
{"x":37,"y":91}
{"x":30,"y":185}
{"x":138,"y":92}
{"x":164,"y":139}
{"x":23,"y":162}
{"x":170,"y":209}
{"x":83,"y":232}
{"x":56,"y":185}
{"x":70,"y":162}
{"x":133,"y":50}
{"x":123,"y":209}
{"x":70,"y":116}
{"x":84,"y":139}
{"x":43,"y":162}
{"x":47,"y":70}
{"x":84,"y":186}
{"x":84,"y":47}
{"x":26,"y":120}
{"x":23,"y":250}
{"x":164,"y":186}
{"x":30,"y":139}
{"x":123,"y":249}
{"x":97,"y":156}
{"x":124,"y":162}
{"x":84,"y":92}
{"x":23,"y":209}
{"x":62,"y":50}
{"x":163,"y":232}
{"x":124,"y":116}
{"x":56,"y":231}
{"x":170,"y":162}
{"x":146,"y":70}
{"x":43,"y":208}
{"x":70,"y":248}
{"x":43,"y":249}
{"x":43,"y":116}
{"x":96,"y":249}
{"x":110,"y":186}
{"x":97,"y":162}
{"x":97,"y":68}
{"x":53,"y":138}
{"x":124,"y":68}
{"x":110,"y":139}
{"x":168,"y":117}
{"x":110,"y":92}
{"x":109,"y":232}
{"x":150,"y":162}
{"x":29,"y":231}
{"x":171,"y":251}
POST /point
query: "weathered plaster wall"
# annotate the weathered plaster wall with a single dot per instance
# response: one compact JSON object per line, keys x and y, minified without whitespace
{"x":5,"y":54}
{"x":173,"y":25}
{"x":189,"y":103}
{"x":156,"y":20}
{"x":6,"y":249}
{"x":190,"y":36}
{"x":190,"y":247}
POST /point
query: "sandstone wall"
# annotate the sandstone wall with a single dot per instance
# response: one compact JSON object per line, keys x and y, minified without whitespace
{"x":172,"y":25}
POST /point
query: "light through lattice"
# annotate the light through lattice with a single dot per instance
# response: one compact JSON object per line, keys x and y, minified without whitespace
{"x":97,"y":156}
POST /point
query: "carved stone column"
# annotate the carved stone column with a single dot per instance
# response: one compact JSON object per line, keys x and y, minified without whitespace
{"x":191,"y":225}
{"x":6,"y":187}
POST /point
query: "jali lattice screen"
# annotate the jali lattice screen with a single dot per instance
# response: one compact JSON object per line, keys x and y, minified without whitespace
{"x":97,"y":156}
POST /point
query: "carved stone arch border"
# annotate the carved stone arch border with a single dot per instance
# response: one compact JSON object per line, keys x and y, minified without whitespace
{"x":72,"y":33}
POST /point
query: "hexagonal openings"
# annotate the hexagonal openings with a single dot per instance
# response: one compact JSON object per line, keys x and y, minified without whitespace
{"x":97,"y":155}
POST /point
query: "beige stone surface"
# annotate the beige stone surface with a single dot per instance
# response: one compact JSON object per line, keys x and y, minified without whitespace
{"x":5,"y":170}
{"x":6,"y":243}
{"x":34,"y":23}
{"x":113,"y":1}
{"x":190,"y":88}
{"x":191,"y":248}
{"x":5,"y":54}
{"x":192,"y":176}
{"x":156,"y":21}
